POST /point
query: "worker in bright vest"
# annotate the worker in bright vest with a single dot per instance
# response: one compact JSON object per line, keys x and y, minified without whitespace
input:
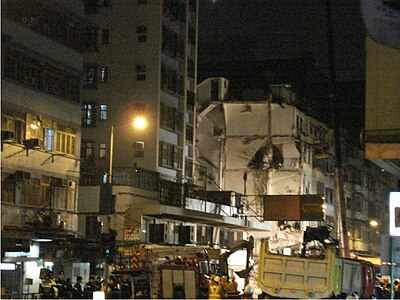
{"x":231,"y":289}
{"x":224,"y":285}
{"x":48,"y":287}
{"x":214,"y":289}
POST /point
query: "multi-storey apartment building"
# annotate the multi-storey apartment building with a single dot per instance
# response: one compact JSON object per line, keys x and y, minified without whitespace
{"x":143,"y":64}
{"x":367,"y":189}
{"x":42,"y":60}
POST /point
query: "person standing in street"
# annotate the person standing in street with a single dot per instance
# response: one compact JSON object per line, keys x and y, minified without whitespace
{"x":48,"y":287}
{"x":69,"y":288}
{"x":61,"y":285}
{"x":231,"y":289}
{"x":90,"y":287}
{"x":78,"y":288}
{"x":98,"y":283}
{"x":112,"y":288}
{"x":126,"y":287}
{"x":214,"y":289}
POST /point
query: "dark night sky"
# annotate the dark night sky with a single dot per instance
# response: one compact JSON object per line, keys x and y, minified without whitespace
{"x":256,"y":32}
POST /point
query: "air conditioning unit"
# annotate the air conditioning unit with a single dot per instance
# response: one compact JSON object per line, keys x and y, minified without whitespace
{"x":7,"y":135}
{"x":236,"y":199}
{"x":33,"y":143}
{"x":30,"y":21}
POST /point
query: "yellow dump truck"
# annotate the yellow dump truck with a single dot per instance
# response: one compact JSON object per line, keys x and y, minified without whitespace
{"x":323,"y":276}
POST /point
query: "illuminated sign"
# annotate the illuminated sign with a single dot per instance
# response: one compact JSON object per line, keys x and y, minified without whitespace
{"x":132,"y":233}
{"x":394,"y":213}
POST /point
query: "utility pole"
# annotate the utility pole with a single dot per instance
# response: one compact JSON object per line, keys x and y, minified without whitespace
{"x":270,"y":153}
{"x":345,"y":251}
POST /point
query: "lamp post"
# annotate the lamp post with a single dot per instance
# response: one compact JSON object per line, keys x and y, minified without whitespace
{"x":138,"y":123}
{"x":110,"y":165}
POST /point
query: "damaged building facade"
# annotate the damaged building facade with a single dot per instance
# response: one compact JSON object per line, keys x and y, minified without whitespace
{"x":270,"y":147}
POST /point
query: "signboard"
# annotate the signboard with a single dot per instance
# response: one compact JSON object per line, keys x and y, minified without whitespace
{"x":390,"y":249}
{"x":294,"y":208}
{"x":132,"y":234}
{"x":394,"y":213}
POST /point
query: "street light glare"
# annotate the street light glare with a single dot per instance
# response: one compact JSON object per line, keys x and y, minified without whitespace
{"x":373,"y":223}
{"x":140,"y":123}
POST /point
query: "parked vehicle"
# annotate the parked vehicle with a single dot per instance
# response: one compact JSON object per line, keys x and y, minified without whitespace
{"x":314,"y":274}
{"x":180,"y":272}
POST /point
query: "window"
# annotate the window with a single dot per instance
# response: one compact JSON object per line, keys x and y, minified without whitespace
{"x":139,"y":149}
{"x":175,"y":10}
{"x":89,"y":79}
{"x":141,"y":77}
{"x":171,"y":80}
{"x":178,"y":157}
{"x":178,"y":120}
{"x":192,"y":35}
{"x":141,"y":72}
{"x":8,"y":184}
{"x":88,"y":115}
{"x":329,"y":195}
{"x":65,"y":142}
{"x":52,"y":83}
{"x":191,"y":68}
{"x":142,"y":38}
{"x":320,"y":187}
{"x":102,"y":150}
{"x":14,"y":122}
{"x":204,"y":235}
{"x":170,"y":118}
{"x":19,"y":130}
{"x":141,"y":34}
{"x":49,"y":139}
{"x":103,"y":111}
{"x":30,"y":191}
{"x":166,"y":155}
{"x":87,"y":150}
{"x":64,"y":193}
{"x":91,"y":39}
{"x":171,"y":44}
{"x":105,"y":36}
{"x":146,"y":179}
{"x":189,"y":134}
{"x":28,"y":70}
{"x":104,"y":74}
{"x":106,"y":3}
{"x":188,"y":169}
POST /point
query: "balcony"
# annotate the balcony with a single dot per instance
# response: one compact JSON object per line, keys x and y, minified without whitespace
{"x":134,"y":177}
{"x":185,"y":196}
{"x":52,"y":21}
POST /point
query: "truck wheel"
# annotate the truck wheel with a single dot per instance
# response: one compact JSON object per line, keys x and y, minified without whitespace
{"x":179,"y":294}
{"x":203,"y":294}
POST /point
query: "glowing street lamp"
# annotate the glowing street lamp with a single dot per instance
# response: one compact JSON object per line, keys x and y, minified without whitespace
{"x":138,"y":123}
